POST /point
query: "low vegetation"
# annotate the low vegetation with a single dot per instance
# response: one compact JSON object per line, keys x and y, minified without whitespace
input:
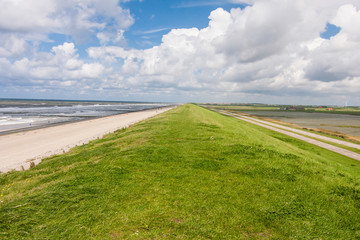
{"x":320,"y":131}
{"x":187,"y":174}
{"x":355,"y":110}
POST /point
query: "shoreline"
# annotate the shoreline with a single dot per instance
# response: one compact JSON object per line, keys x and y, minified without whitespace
{"x":26,"y":127}
{"x":18,"y":150}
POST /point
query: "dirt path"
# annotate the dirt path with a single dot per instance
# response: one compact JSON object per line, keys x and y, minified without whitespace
{"x":280,"y":129}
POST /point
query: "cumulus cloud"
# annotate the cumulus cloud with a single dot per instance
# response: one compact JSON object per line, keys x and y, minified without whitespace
{"x":12,"y":46}
{"x":34,"y":20}
{"x":338,"y":58}
{"x":26,"y":24}
{"x":60,"y":68}
{"x":269,"y":50}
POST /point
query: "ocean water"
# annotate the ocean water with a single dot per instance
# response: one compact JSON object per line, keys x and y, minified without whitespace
{"x":17,"y":115}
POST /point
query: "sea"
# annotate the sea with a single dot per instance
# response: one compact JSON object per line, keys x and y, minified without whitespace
{"x":24,"y":114}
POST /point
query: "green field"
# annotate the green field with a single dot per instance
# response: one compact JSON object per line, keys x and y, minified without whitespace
{"x":186,"y":174}
{"x":244,"y":107}
{"x":280,"y":108}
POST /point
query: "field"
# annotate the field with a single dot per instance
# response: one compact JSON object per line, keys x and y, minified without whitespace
{"x":265,"y":107}
{"x":186,"y":174}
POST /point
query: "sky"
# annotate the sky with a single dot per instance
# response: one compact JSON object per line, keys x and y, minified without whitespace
{"x":239,"y":51}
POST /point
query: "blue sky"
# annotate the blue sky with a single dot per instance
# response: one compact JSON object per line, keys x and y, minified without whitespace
{"x":155,"y":18}
{"x":330,"y":31}
{"x":267,"y":51}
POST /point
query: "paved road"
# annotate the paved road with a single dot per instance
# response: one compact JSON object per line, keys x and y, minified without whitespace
{"x":280,"y":129}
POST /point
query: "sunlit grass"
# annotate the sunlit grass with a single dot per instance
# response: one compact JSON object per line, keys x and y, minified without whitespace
{"x":187,"y":174}
{"x":319,"y":131}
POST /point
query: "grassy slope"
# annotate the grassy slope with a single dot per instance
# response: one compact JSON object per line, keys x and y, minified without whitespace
{"x":319,"y":131}
{"x":187,"y":174}
{"x":294,"y":126}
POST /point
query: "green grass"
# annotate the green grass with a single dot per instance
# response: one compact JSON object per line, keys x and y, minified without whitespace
{"x":277,"y":108}
{"x":321,"y":132}
{"x":187,"y":174}
{"x":337,"y":110}
{"x":356,"y":150}
{"x":244,"y":107}
{"x":313,"y":132}
{"x":344,"y":126}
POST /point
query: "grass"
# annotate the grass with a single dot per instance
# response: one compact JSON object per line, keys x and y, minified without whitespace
{"x":345,"y":138}
{"x":355,"y":150}
{"x":344,"y":126}
{"x":244,"y":107}
{"x":334,"y":134}
{"x":187,"y":174}
{"x":319,"y":131}
{"x":279,"y":108}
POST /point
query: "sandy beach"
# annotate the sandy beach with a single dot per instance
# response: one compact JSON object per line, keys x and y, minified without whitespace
{"x":17,"y":150}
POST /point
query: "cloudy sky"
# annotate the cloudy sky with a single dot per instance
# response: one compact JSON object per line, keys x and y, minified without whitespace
{"x":269,"y":51}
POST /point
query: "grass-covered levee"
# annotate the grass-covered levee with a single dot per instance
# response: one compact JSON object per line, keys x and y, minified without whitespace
{"x":186,"y":174}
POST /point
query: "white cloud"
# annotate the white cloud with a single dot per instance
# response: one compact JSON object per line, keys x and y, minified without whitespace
{"x":91,"y":70}
{"x":61,"y":68}
{"x":65,"y":50}
{"x":348,"y":18}
{"x":26,"y":24}
{"x":35,"y":19}
{"x":153,"y":31}
{"x":12,"y":46}
{"x":338,"y":58}
{"x":269,"y":50}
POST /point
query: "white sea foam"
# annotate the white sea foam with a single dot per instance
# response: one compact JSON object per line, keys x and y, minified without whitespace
{"x":20,"y":120}
{"x":10,"y":120}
